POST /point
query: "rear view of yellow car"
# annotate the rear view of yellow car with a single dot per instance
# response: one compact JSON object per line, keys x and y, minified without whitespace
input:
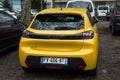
{"x":60,"y":39}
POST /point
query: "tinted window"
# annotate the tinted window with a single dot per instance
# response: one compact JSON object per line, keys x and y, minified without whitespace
{"x":81,"y":4}
{"x":103,"y":8}
{"x":58,"y":22}
{"x":4,"y":18}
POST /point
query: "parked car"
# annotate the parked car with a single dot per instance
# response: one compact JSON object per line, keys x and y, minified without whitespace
{"x":10,"y":31}
{"x":18,"y":14}
{"x":60,"y":39}
{"x":11,"y":13}
{"x":103,"y":11}
{"x":115,"y":19}
{"x":88,"y":4}
{"x":1,"y":9}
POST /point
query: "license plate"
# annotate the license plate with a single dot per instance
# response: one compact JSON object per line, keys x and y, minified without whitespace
{"x":47,"y":60}
{"x":103,"y":12}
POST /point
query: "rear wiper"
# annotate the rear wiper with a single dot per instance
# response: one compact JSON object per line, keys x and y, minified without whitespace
{"x":64,"y":28}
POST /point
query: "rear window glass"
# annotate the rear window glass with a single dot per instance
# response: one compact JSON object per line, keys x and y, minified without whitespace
{"x":81,"y":4}
{"x":103,"y":8}
{"x":58,"y":22}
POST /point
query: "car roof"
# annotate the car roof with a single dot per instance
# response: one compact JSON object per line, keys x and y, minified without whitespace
{"x":64,"y":10}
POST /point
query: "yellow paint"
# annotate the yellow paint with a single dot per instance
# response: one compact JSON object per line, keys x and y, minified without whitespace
{"x":86,"y":49}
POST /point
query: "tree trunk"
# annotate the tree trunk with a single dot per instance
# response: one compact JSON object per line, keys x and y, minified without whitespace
{"x":53,"y":3}
{"x":26,"y":11}
{"x":41,"y":7}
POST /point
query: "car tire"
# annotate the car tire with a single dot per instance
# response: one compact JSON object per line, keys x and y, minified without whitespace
{"x":92,"y":72}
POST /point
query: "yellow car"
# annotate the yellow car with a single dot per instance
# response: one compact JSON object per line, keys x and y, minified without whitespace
{"x":60,"y":39}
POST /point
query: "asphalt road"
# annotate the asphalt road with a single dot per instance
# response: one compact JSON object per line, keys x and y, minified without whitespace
{"x":108,"y":62}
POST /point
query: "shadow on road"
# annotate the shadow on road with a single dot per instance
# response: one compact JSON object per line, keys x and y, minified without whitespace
{"x":8,"y":51}
{"x":59,"y":74}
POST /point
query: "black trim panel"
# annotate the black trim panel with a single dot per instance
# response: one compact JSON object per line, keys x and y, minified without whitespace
{"x":55,"y":36}
{"x":34,"y":62}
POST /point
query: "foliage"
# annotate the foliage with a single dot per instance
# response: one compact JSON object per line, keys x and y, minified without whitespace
{"x":6,"y":4}
{"x":25,"y":14}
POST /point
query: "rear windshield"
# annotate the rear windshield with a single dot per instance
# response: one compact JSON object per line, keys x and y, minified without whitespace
{"x":58,"y":22}
{"x":81,"y":4}
{"x":103,"y":8}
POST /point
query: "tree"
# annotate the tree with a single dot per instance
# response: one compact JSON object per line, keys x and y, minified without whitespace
{"x":26,"y":11}
{"x":38,"y":4}
{"x":53,"y":3}
{"x":35,"y":4}
{"x":6,"y":4}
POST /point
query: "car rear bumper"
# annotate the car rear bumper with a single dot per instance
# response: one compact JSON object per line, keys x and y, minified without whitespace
{"x":73,"y":63}
{"x":85,"y":58}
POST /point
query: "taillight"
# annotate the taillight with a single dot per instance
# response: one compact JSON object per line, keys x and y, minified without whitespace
{"x":25,"y":34}
{"x":117,"y":14}
{"x":82,"y":67}
{"x":88,"y":34}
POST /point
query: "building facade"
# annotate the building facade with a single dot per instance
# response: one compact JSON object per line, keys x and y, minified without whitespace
{"x":62,"y":3}
{"x":16,"y":4}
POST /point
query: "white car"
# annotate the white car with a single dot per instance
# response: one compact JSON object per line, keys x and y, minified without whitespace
{"x":102,"y":10}
{"x":88,"y":4}
{"x":11,"y":13}
{"x":1,"y":9}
